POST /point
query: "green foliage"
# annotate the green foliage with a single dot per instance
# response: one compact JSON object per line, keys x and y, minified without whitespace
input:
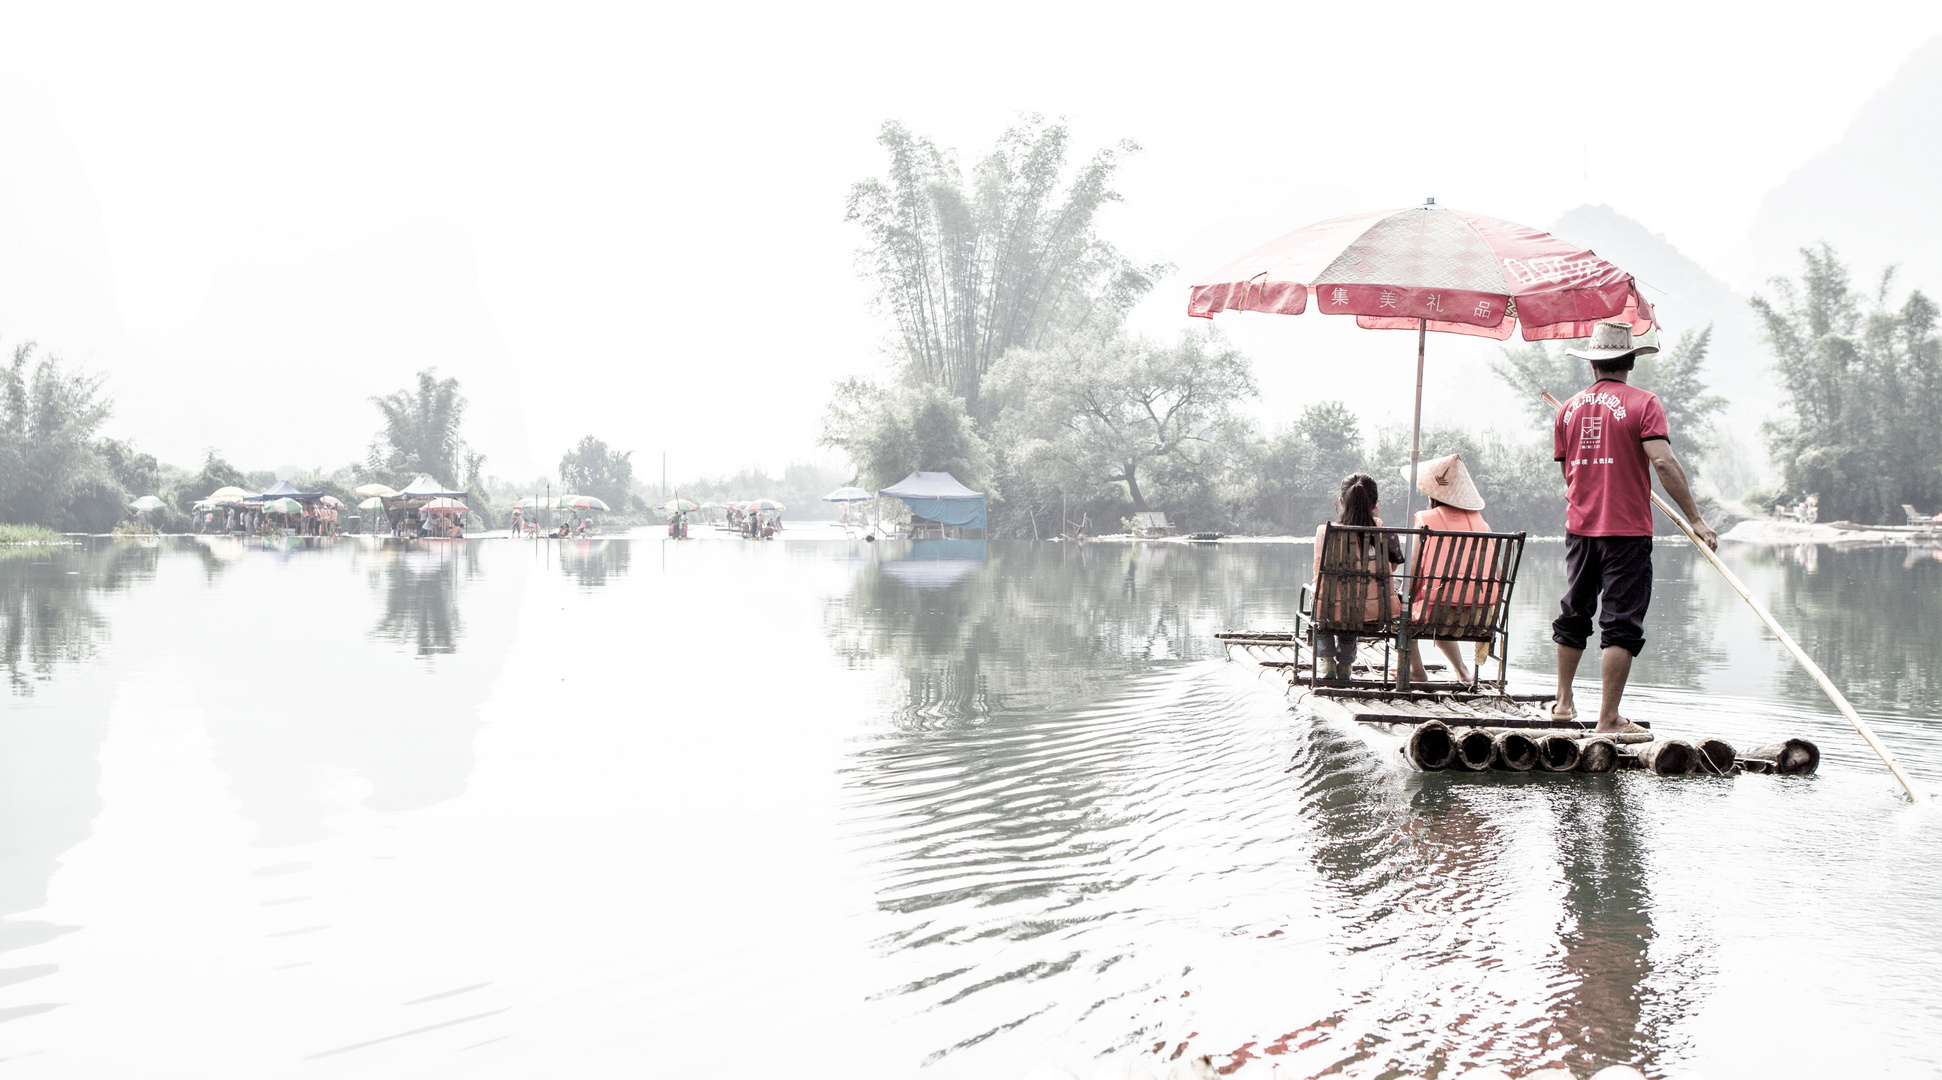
{"x":1522,"y":487}
{"x":1103,"y":409}
{"x":592,"y":469}
{"x":1864,"y":379}
{"x":28,"y":534}
{"x":420,"y":435}
{"x":890,"y":433}
{"x":215,"y":474}
{"x":52,"y":470}
{"x":1300,"y":469}
{"x":1012,"y":261}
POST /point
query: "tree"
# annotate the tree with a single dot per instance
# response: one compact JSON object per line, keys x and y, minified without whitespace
{"x":1863,"y":386}
{"x":216,"y":473}
{"x":1012,"y":262}
{"x":1673,"y":374}
{"x":592,"y":469}
{"x":51,"y":470}
{"x":421,"y":433}
{"x":1105,"y":407}
{"x":890,"y":433}
{"x":1299,"y":471}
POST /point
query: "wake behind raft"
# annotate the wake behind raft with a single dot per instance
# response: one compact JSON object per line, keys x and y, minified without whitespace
{"x":1464,"y":582}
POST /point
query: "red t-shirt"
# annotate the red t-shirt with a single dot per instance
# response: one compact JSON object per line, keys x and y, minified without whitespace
{"x":1600,"y":435}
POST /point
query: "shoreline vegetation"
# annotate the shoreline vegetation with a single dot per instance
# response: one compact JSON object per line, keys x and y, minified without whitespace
{"x":1012,"y":369}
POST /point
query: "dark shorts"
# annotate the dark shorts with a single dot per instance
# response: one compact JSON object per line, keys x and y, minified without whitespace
{"x":1611,"y":576}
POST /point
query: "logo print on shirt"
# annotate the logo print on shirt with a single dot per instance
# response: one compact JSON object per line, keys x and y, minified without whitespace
{"x":1592,"y":435}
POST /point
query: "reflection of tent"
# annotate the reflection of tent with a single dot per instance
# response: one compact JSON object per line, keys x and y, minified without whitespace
{"x":937,"y":564}
{"x":937,"y":496}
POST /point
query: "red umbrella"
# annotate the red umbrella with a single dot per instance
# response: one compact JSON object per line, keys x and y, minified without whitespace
{"x":1424,"y":269}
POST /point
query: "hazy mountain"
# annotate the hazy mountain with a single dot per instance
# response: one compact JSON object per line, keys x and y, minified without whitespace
{"x":1871,"y":195}
{"x":1686,"y":296}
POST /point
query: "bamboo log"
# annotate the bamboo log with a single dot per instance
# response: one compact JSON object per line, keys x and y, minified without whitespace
{"x":1430,"y":747}
{"x":1514,"y":751}
{"x":1666,"y":757}
{"x":1716,"y":757}
{"x":1827,"y":685}
{"x":1474,"y":750}
{"x":1557,"y":753}
{"x":1795,"y":757}
{"x":1597,"y":754}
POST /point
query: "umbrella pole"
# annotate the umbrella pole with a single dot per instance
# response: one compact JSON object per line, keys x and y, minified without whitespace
{"x":1409,"y":511}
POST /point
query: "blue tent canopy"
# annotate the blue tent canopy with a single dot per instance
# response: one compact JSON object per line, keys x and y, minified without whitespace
{"x":282,"y":489}
{"x":937,"y":496}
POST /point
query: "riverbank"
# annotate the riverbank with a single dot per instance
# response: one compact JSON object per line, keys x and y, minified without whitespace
{"x":1777,"y":531}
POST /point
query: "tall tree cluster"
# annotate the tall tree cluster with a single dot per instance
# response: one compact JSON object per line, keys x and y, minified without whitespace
{"x":1863,"y":375}
{"x":421,"y":434}
{"x":54,"y":471}
{"x":1011,"y":259}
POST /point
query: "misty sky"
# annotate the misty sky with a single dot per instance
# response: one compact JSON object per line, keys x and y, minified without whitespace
{"x":627,"y":220}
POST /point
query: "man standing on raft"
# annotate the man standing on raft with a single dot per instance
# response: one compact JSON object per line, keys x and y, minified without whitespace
{"x":1606,"y":436}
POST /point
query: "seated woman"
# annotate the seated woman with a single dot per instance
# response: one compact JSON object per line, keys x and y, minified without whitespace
{"x":1454,"y":506}
{"x":1355,"y":505}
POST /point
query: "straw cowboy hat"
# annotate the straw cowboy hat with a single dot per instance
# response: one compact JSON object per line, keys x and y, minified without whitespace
{"x":1610,"y":341}
{"x":1447,"y":481}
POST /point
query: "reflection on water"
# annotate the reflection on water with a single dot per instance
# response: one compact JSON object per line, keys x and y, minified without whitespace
{"x":47,"y":610}
{"x":420,"y":585}
{"x":1070,"y":820}
{"x":1059,"y":824}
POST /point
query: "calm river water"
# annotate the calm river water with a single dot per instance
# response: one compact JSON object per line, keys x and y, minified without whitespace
{"x":819,"y":808}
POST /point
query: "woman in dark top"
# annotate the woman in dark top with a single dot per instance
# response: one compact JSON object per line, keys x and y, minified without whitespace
{"x":1355,"y":506}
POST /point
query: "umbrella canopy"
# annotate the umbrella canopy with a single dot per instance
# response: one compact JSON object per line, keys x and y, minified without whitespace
{"x":331,"y":500}
{"x":372,"y":503}
{"x":581,"y":502}
{"x":282,"y":489}
{"x":377,"y":490}
{"x":756,"y":506}
{"x":531,"y":503}
{"x":148,"y":502}
{"x":283,"y":506}
{"x":224,"y":495}
{"x":848,"y":494}
{"x":444,"y":506}
{"x":1429,"y":268}
{"x":677,"y":506}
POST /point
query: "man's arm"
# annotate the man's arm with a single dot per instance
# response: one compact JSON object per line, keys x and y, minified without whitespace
{"x":1673,"y":476}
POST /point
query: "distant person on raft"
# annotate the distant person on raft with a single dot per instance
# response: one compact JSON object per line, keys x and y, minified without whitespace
{"x":1609,"y":439}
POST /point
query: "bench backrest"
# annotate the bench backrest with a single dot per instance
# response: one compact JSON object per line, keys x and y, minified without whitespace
{"x":1462,"y":584}
{"x":1461,"y":591}
{"x":1353,"y":586}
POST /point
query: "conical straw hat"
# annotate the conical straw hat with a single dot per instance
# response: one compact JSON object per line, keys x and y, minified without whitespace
{"x":1446,"y":480}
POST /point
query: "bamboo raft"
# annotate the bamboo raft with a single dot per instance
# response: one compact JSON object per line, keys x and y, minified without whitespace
{"x":1438,"y":723}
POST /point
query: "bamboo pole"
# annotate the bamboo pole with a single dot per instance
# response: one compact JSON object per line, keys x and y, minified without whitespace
{"x":1827,"y":685}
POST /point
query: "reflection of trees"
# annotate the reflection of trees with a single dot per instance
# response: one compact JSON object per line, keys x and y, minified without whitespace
{"x":1868,"y":616}
{"x":591,"y":562}
{"x":1679,"y":647}
{"x":47,"y":614}
{"x":420,"y":588}
{"x":1053,"y":624}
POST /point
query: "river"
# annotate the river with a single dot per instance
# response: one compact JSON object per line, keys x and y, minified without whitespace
{"x":819,"y":808}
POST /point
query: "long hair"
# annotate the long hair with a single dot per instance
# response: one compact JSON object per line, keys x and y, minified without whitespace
{"x":1358,"y":500}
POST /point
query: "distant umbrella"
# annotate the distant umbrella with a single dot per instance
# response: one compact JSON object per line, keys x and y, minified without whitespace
{"x":445,"y":506}
{"x":848,"y":494}
{"x":676,"y":506}
{"x":372,"y":503}
{"x":331,"y":500}
{"x":283,"y":506}
{"x":763,"y":506}
{"x":532,"y":503}
{"x":580,"y":502}
{"x":378,"y":490}
{"x":148,"y":502}
{"x":229,"y":495}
